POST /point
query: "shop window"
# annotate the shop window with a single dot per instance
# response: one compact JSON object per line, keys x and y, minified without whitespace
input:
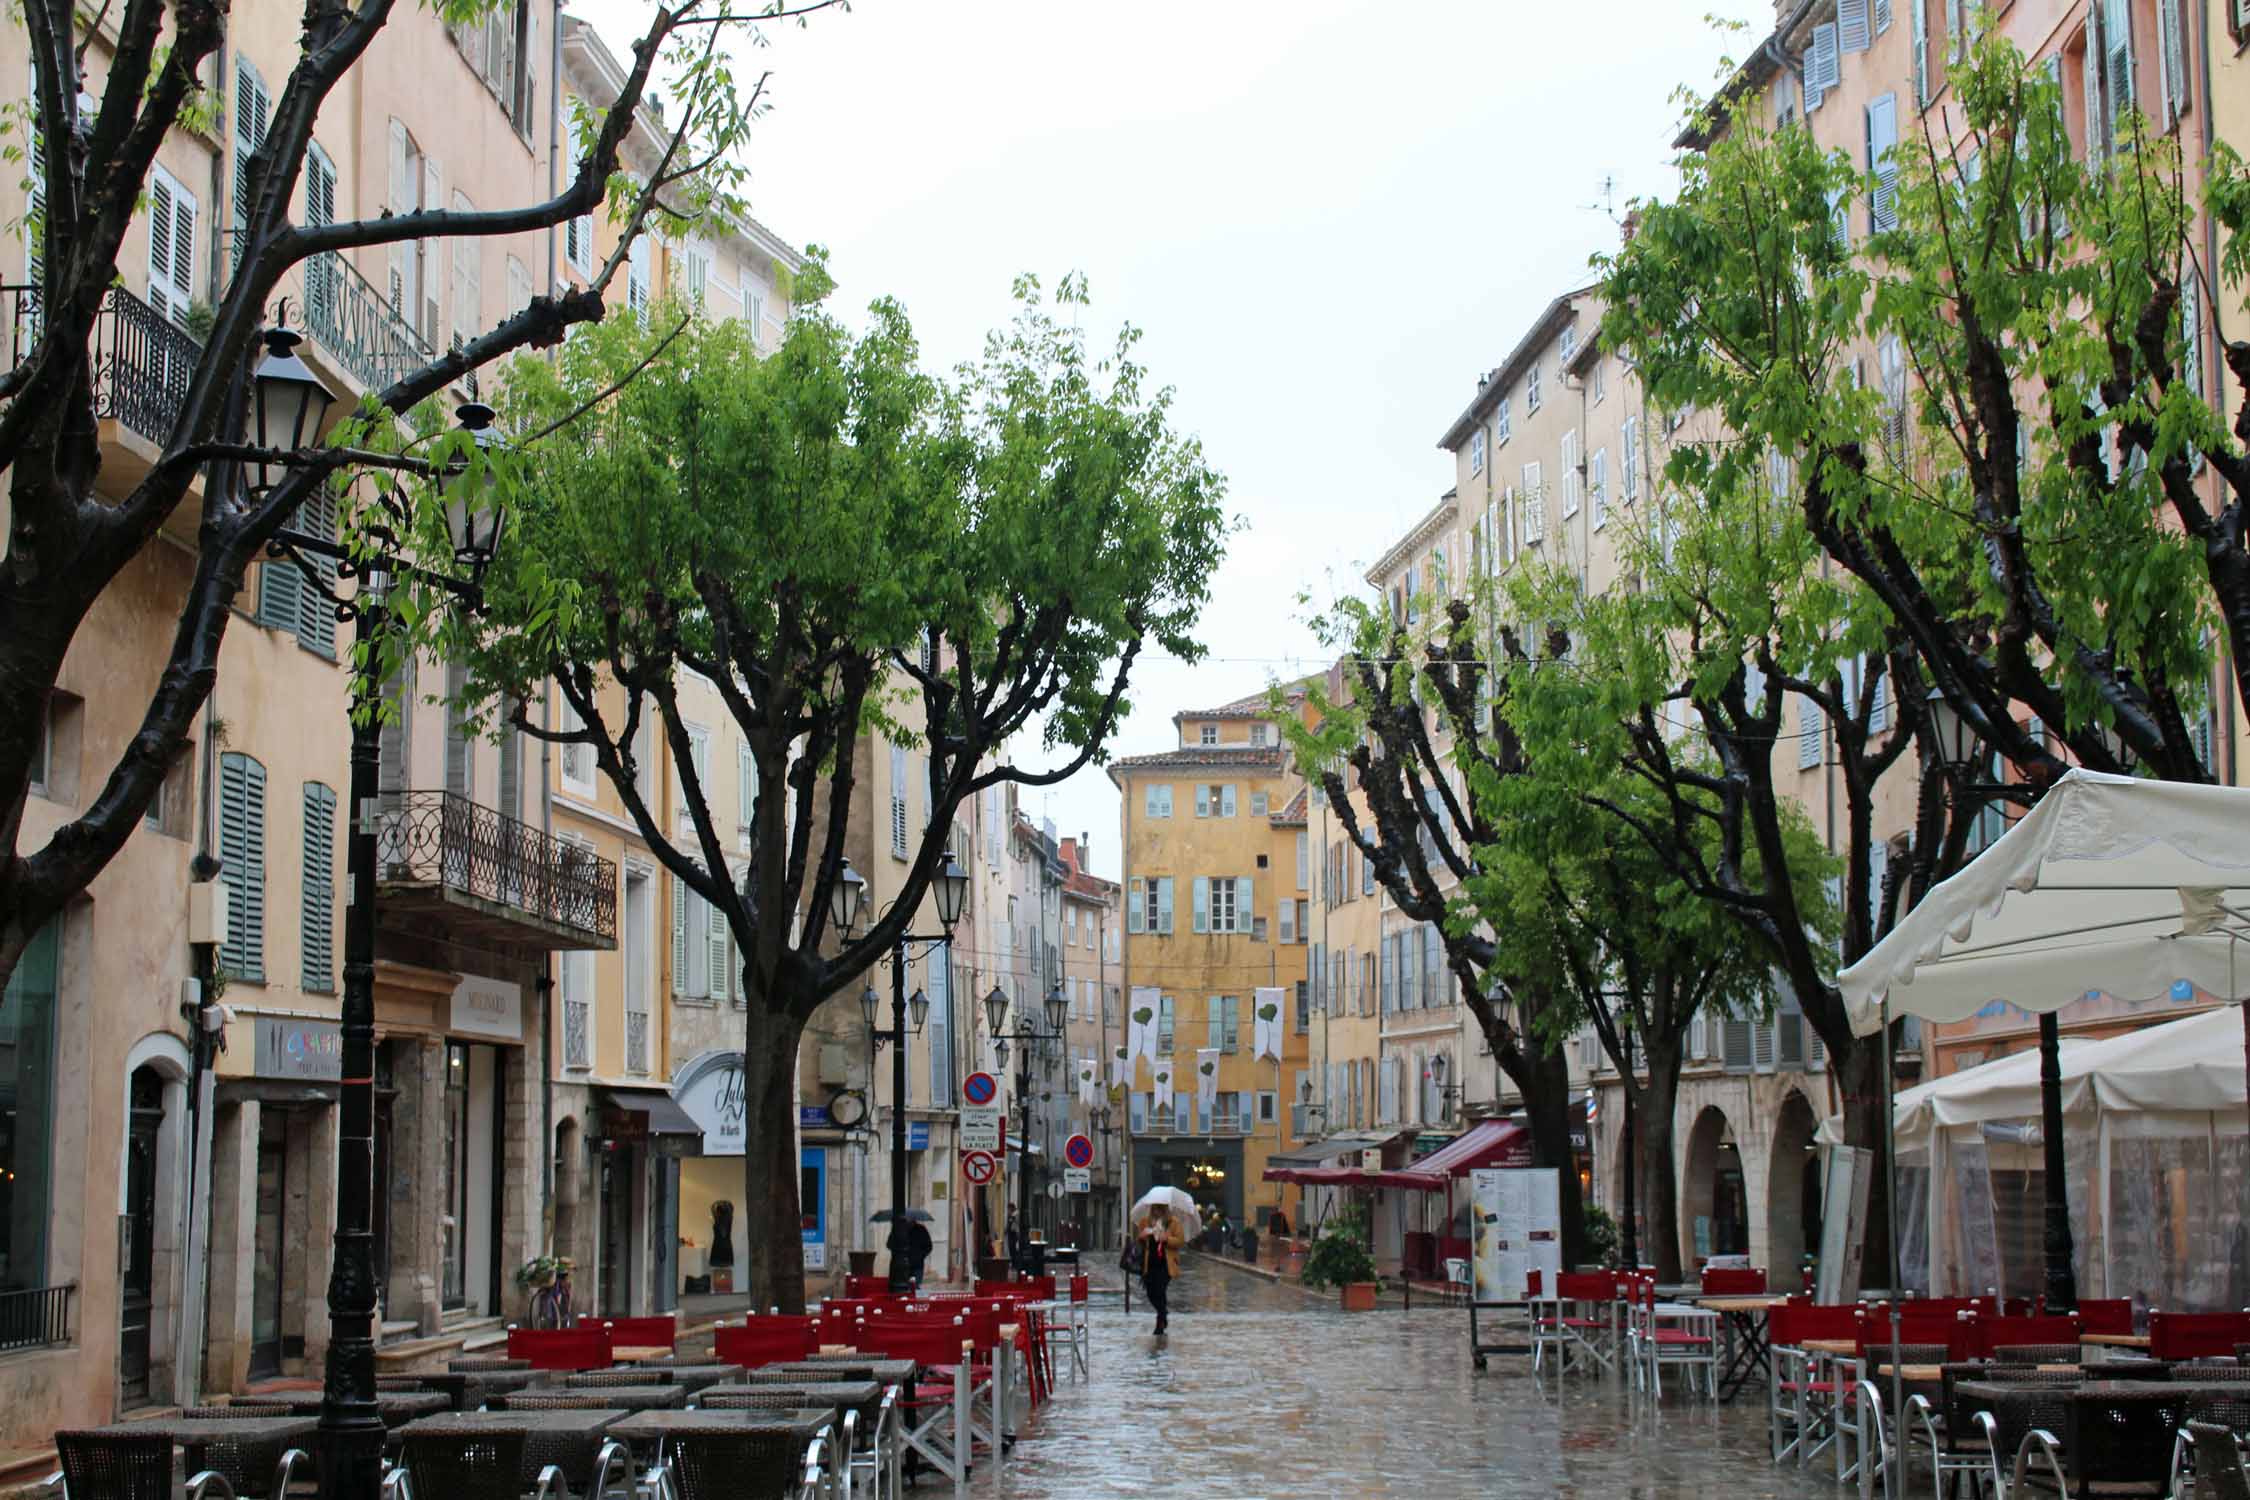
{"x":27,"y":1114}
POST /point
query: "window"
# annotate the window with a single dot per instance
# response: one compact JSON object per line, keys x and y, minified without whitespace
{"x":1148,"y":905}
{"x":898,"y":801}
{"x":1156,"y":802}
{"x":1214,"y":800}
{"x":1569,"y":343}
{"x":1531,"y":389}
{"x":1304,"y":861}
{"x":578,"y":244}
{"x":1570,"y":475}
{"x":695,"y":274}
{"x":1597,"y":486}
{"x":1891,"y":362}
{"x":1534,"y":506}
{"x":637,"y":274}
{"x":43,"y":751}
{"x":416,"y":183}
{"x":1476,"y":451}
{"x":576,"y":980}
{"x":1208,"y":734}
{"x":318,"y":939}
{"x":1500,"y":420}
{"x":1261,"y":733}
{"x":577,"y":759}
{"x":1811,"y":725}
{"x":171,"y":245}
{"x":27,"y":1038}
{"x":1629,"y":459}
{"x":1223,"y":903}
{"x":636,"y":944}
{"x":940,"y":1024}
{"x":1882,"y":163}
{"x":1823,"y":66}
{"x":1601,"y":380}
{"x":745,"y":794}
{"x":242,"y":854}
{"x":1366,"y":873}
{"x":1257,"y":804}
{"x":1225,"y":1023}
{"x":1286,"y":913}
{"x":1166,"y":1008}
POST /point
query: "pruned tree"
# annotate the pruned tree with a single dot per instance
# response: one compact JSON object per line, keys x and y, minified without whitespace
{"x":68,"y":544}
{"x":832,"y":538}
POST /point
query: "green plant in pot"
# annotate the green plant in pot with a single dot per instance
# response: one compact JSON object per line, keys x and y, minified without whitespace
{"x":1340,"y":1258}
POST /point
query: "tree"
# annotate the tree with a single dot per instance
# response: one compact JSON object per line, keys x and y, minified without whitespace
{"x":2031,"y":478}
{"x":67,"y":545}
{"x":827,"y":535}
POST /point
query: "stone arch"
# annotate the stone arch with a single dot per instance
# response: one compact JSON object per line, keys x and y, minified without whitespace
{"x":570,"y":1186}
{"x":1712,"y":1217}
{"x":156,"y":1071}
{"x":1792,"y":1193}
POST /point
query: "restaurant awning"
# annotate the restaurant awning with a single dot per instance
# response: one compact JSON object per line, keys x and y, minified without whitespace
{"x":1324,"y":1152}
{"x":1488,"y":1143}
{"x":636,"y":1114}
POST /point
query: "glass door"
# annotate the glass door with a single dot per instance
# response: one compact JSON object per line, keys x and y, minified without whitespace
{"x":456,"y":1218}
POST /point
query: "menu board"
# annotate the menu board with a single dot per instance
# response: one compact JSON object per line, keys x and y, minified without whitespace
{"x":1843,"y":1223}
{"x":1516,"y":1215}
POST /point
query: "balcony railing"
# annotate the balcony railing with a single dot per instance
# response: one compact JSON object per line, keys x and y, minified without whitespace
{"x":447,"y":840}
{"x":36,"y":1316}
{"x":356,"y":323}
{"x":141,"y":359}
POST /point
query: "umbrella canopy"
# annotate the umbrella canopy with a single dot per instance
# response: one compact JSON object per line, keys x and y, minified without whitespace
{"x":2110,"y":885}
{"x":1182,"y":1206}
{"x":919,"y":1216}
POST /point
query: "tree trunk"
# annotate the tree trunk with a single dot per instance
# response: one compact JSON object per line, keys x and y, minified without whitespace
{"x":1660,"y":1178}
{"x":1859,"y":1074}
{"x":1545,"y":1083}
{"x":771,"y":1233}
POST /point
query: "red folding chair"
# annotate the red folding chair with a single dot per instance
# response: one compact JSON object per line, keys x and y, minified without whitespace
{"x":2177,"y":1336}
{"x":644,"y":1333}
{"x":1988,"y":1336}
{"x":770,"y":1340}
{"x":583,"y":1348}
{"x":937,"y":1408}
{"x":1804,"y":1395}
{"x":2107,"y":1315}
{"x":1734,"y":1282}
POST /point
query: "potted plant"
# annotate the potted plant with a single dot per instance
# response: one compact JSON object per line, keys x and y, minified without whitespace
{"x":1340,"y":1258}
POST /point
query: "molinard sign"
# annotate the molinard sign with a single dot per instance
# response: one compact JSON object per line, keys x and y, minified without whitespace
{"x":488,"y":1007}
{"x":287,"y":1047}
{"x":713,"y":1099}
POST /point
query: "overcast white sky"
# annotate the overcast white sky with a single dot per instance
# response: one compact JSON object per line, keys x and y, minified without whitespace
{"x":1327,"y":215}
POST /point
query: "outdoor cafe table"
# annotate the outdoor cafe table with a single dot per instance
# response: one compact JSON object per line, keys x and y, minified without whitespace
{"x":696,"y":1377}
{"x":1747,"y":1355}
{"x":275,"y":1435}
{"x":397,"y":1407}
{"x":2115,"y":1340}
{"x":832,"y":1366}
{"x":633,"y":1354}
{"x":469,"y":1389}
{"x":595,"y":1398}
{"x":862,"y":1396}
{"x":646,"y":1431}
{"x":569,"y":1439}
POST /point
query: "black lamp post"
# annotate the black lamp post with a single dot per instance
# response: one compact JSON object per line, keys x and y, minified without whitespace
{"x":1025,"y":1036}
{"x":288,"y":406}
{"x":950,"y":886}
{"x":1957,"y":747}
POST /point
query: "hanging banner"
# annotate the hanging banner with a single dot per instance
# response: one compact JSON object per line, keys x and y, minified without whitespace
{"x":1120,"y":1068}
{"x":1206,"y":1084}
{"x":1266,"y":1006}
{"x":1161,"y":1099}
{"x":1086,"y":1082}
{"x":1140,"y":1032}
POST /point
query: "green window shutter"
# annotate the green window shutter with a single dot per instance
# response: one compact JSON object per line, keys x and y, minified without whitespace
{"x":281,"y":593}
{"x":242,"y":849}
{"x":316,"y":617}
{"x":319,"y":920}
{"x":251,"y":108}
{"x":719,"y":932}
{"x":397,"y":733}
{"x":679,"y":935}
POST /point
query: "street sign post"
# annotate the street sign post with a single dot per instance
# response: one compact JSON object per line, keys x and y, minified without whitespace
{"x":1077,"y":1180}
{"x":979,"y":1167}
{"x":1078,"y":1152}
{"x":980,"y":1088}
{"x":979,"y":1127}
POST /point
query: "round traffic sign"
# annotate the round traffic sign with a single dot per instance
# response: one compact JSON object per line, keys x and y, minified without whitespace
{"x":979,"y":1167}
{"x":979,"y":1088}
{"x":1078,"y":1151}
{"x":1054,"y":1190}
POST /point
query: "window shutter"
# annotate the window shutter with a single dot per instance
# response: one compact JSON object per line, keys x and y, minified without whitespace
{"x":1879,"y":711}
{"x":679,"y":935}
{"x":171,"y":245}
{"x":316,"y":617}
{"x":251,"y":109}
{"x":2117,"y":41}
{"x":1737,"y":1045}
{"x":716,"y":921}
{"x":1822,"y":66}
{"x":898,"y":801}
{"x":1852,"y":25}
{"x":1882,"y":162}
{"x":1164,"y":905}
{"x":1597,"y":485}
{"x":745,"y":784}
{"x":1213,"y":1025}
{"x":404,"y":186}
{"x":1811,"y":725}
{"x":2098,"y":139}
{"x":318,"y":940}
{"x":1918,"y":18}
{"x":1226,"y":800}
{"x":2174,"y":56}
{"x":1286,"y":911}
{"x":511,"y":774}
{"x":1245,"y":908}
{"x":468,"y":278}
{"x":1136,"y":893}
{"x":397,"y":734}
{"x":1304,"y":862}
{"x":1202,"y":800}
{"x":242,"y":850}
{"x":1628,"y":463}
{"x":1883,"y":16}
{"x":281,"y":590}
{"x":460,"y":776}
{"x":2191,"y":332}
{"x":1202,"y":897}
{"x":1762,"y":1044}
{"x":433,"y":196}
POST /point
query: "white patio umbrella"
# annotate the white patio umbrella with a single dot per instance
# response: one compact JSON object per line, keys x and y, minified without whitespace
{"x":1182,"y":1206}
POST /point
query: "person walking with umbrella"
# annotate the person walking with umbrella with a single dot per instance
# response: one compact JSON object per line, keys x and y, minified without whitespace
{"x":1164,"y":1227}
{"x":909,"y":1243}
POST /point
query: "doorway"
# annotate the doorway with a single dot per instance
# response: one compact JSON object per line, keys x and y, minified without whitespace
{"x":268,"y":1244}
{"x":454,"y":1222}
{"x":145,"y":1123}
{"x":617,"y":1229}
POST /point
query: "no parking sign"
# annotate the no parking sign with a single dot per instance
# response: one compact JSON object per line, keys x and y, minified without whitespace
{"x":979,"y":1167}
{"x":1078,"y":1151}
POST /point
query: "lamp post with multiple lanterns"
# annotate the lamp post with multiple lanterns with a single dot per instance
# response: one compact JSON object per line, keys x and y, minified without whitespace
{"x":1025,"y":1037}
{"x":288,"y":408}
{"x":950,"y":886}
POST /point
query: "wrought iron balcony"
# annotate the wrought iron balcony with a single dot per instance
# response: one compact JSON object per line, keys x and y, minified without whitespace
{"x":362,"y":329}
{"x":141,"y":359}
{"x":444,"y":855}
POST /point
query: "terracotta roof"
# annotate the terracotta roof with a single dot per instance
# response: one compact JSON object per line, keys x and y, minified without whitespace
{"x":1082,"y":883}
{"x":1254,"y":706}
{"x":1293,"y":816}
{"x":1263,"y":756}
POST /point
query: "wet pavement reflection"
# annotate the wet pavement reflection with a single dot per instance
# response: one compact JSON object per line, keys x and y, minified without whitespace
{"x":1264,"y":1389}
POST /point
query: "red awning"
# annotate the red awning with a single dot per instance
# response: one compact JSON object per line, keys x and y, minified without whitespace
{"x":1488,"y":1143}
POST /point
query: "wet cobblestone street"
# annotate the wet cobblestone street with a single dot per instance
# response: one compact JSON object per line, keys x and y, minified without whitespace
{"x":1265,"y":1390}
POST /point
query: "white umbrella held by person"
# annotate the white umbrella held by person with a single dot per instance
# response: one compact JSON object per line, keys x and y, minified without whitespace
{"x":1181,"y":1205}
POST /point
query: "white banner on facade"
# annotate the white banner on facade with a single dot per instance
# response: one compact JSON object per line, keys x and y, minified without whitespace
{"x":1121,"y":1067}
{"x":1206,"y":1081}
{"x":1266,"y":1007}
{"x":1162,"y":1096}
{"x":1086,"y":1082}
{"x":1516,"y":1224}
{"x":1140,"y":1022}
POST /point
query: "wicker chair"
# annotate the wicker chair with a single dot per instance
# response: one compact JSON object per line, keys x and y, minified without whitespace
{"x":646,"y":1399}
{"x":470,"y":1364}
{"x":2206,"y":1372}
{"x":2216,"y":1463}
{"x":100,"y":1465}
{"x":2036,"y":1354}
{"x":658,"y":1375}
{"x":459,"y":1466}
{"x":746,"y":1466}
{"x":2115,"y":1442}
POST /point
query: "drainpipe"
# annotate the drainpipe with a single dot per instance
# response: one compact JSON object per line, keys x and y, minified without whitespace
{"x":546,"y":982}
{"x":554,"y":132}
{"x":2208,"y":306}
{"x":195,"y":1286}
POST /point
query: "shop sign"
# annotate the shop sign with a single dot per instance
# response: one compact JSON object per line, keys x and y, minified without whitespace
{"x":288,"y":1047}
{"x":809,"y":1116}
{"x":488,"y":1007}
{"x":714,"y":1101}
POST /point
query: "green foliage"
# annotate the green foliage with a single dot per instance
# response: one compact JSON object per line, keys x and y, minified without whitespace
{"x":1601,"y":1236}
{"x":1339,"y":1256}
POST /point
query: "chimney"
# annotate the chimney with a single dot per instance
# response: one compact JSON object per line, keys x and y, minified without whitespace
{"x":1085,"y":851}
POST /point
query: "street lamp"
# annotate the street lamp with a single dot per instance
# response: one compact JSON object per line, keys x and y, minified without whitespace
{"x":950,"y":888}
{"x":289,"y":405}
{"x":1027,"y":1036}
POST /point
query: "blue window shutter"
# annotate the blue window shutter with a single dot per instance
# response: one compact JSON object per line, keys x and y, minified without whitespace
{"x":1852,"y":28}
{"x":1202,"y":903}
{"x":242,"y":850}
{"x":1811,"y":725}
{"x":319,"y":921}
{"x":316,"y":617}
{"x":281,"y":591}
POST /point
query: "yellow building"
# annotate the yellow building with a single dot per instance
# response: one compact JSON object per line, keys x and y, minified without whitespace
{"x":1217,"y":908}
